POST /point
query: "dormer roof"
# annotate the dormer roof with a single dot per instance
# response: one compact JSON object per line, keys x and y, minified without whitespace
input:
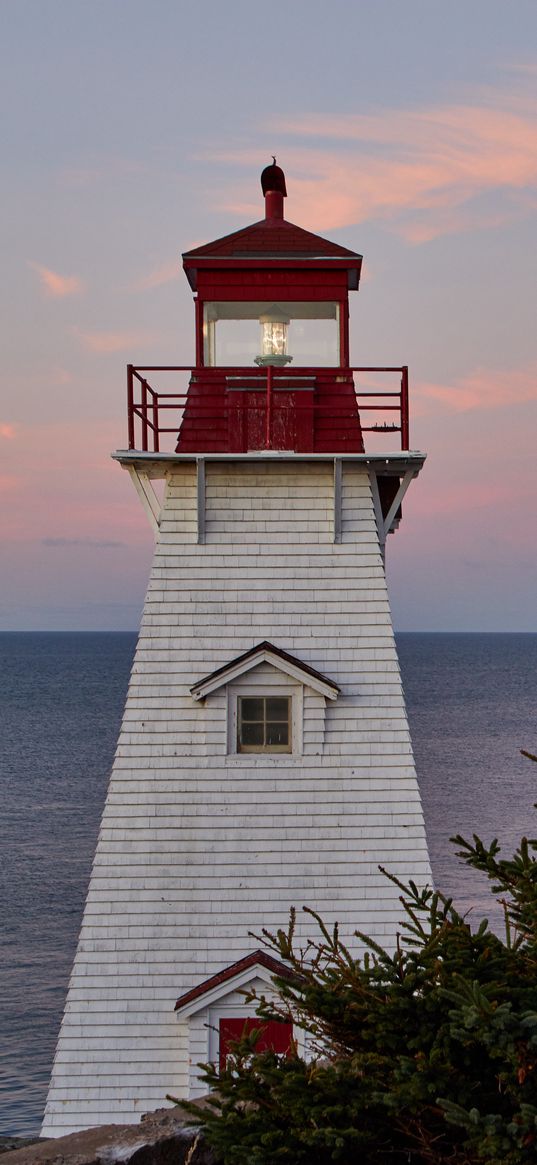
{"x":265,"y":652}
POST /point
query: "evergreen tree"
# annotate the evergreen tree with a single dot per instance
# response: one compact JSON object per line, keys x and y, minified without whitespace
{"x":427,"y":1055}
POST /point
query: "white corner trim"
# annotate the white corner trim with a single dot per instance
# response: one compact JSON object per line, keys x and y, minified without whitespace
{"x":265,"y":656}
{"x":201,"y":500}
{"x":338,"y":498}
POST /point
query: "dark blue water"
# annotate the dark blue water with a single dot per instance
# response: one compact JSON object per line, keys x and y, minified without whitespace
{"x":61,"y":699}
{"x":472,"y":705}
{"x":472,"y":702}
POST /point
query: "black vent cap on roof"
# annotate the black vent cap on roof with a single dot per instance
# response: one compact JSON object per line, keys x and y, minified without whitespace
{"x":273,"y":178}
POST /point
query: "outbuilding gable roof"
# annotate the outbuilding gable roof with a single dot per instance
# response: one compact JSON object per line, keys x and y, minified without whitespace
{"x":265,"y":652}
{"x":231,"y":979}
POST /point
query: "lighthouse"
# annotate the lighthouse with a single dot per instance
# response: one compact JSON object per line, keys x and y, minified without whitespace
{"x":264,"y":757}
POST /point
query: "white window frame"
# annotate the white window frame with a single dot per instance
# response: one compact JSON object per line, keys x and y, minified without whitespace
{"x":264,"y":721}
{"x":249,"y":688}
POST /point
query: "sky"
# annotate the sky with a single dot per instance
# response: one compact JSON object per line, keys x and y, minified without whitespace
{"x":135,"y":129}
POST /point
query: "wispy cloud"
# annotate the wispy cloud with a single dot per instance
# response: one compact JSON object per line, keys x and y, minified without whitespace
{"x":56,"y":285}
{"x":90,"y":499}
{"x":156,"y":278}
{"x":111,"y":341}
{"x":8,"y":482}
{"x":425,"y":171}
{"x":485,"y":388}
{"x":449,"y":497}
{"x":94,"y":543}
{"x":59,"y":375}
{"x":524,"y":67}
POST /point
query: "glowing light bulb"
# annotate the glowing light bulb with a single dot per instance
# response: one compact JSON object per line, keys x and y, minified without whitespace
{"x":274,"y":338}
{"x":274,"y":324}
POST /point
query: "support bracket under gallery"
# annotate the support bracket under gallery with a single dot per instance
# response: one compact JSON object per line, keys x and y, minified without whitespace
{"x":386,"y":519}
{"x":148,"y":497}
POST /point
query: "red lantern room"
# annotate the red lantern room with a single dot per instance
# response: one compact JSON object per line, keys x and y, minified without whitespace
{"x":272,"y":348}
{"x":274,"y":298}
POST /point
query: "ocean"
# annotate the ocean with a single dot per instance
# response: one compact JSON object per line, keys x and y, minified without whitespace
{"x":472,"y":702}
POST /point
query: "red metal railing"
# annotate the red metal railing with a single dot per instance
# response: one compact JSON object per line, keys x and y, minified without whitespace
{"x":149,"y":408}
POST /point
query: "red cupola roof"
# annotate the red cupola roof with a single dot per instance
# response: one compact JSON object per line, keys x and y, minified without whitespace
{"x":273,"y":239}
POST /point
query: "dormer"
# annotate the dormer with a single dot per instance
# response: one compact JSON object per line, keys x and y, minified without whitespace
{"x":271,"y":702}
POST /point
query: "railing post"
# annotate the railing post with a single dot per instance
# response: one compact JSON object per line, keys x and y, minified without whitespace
{"x":268,"y":434}
{"x":130,"y":406}
{"x":156,"y":435}
{"x":144,"y":416}
{"x":405,"y":428}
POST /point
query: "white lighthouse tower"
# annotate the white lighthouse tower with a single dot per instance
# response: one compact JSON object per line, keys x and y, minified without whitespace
{"x":264,"y":758}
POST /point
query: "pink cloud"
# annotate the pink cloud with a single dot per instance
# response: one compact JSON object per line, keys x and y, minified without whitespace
{"x":59,"y":375}
{"x":425,"y":225}
{"x":111,"y":341}
{"x":161,"y":275}
{"x":7,"y":431}
{"x":483,"y":389}
{"x":443,"y":496}
{"x":418,"y":169}
{"x":8,"y":482}
{"x":524,"y":67}
{"x":57,"y":285}
{"x":85,"y":495}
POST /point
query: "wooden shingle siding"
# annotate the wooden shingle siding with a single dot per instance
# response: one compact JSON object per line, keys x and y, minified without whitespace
{"x":199,"y":847}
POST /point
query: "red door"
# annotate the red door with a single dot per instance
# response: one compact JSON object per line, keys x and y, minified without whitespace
{"x":274,"y":1036}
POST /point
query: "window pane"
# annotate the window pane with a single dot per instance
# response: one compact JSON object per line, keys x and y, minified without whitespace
{"x":277,"y":707}
{"x":277,"y":734}
{"x":252,"y":734}
{"x":252,"y":709}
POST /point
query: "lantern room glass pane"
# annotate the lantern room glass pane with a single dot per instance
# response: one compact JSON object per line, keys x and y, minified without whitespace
{"x":232,"y":334}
